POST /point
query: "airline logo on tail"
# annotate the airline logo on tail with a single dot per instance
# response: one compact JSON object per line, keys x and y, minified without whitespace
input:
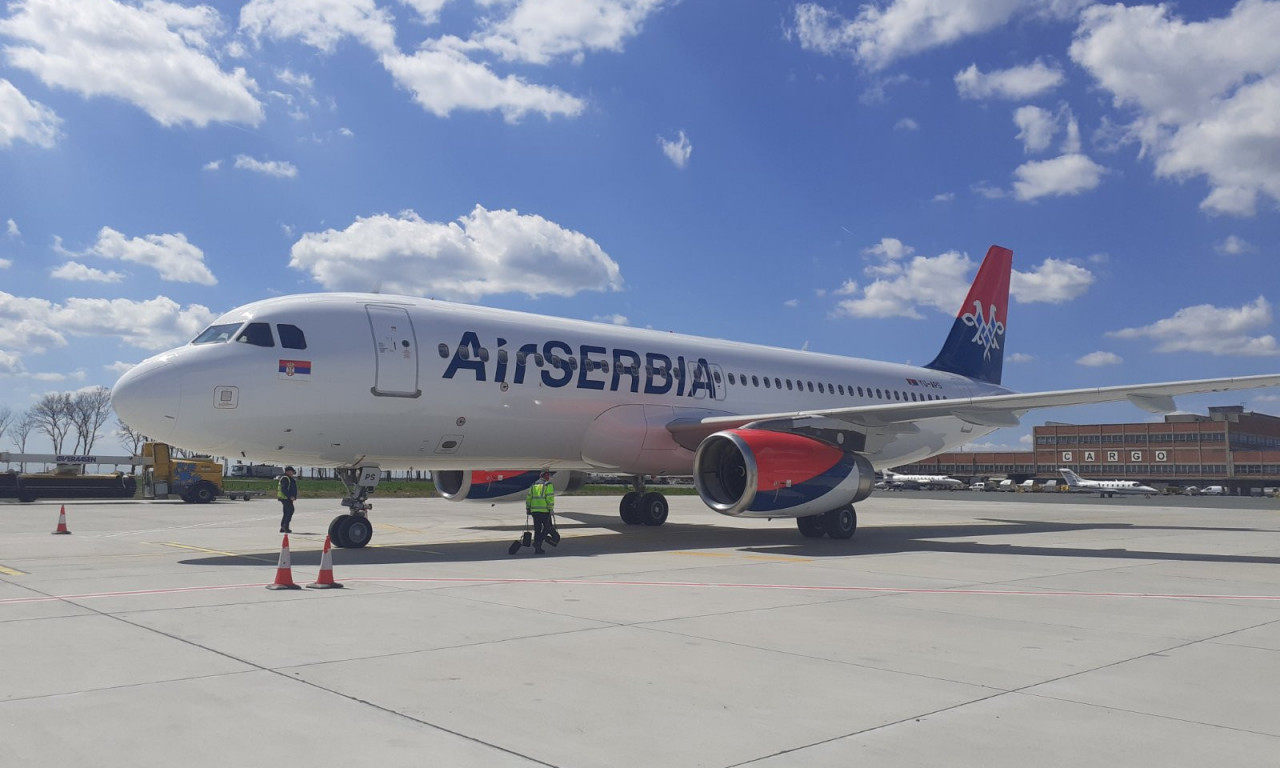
{"x":987,"y":328}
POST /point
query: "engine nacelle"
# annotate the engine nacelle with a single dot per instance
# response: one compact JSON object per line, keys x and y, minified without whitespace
{"x":759,"y":473}
{"x":499,"y":485}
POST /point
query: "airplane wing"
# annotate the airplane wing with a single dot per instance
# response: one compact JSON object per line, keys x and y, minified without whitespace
{"x":1001,"y":410}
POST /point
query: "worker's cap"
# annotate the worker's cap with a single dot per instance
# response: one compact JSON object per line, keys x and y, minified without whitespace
{"x":546,"y":473}
{"x":288,"y":469}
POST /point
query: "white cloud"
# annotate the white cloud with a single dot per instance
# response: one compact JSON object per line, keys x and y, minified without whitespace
{"x":538,"y":31}
{"x":1063,"y":175}
{"x":879,"y":35}
{"x":1053,"y":282}
{"x":614,"y":319}
{"x":119,"y":368}
{"x":24,"y":120}
{"x":1206,"y":94}
{"x":677,"y":151}
{"x":1023,"y":82}
{"x":321,"y":24}
{"x":34,"y":325}
{"x":5,"y":263}
{"x":176,"y":259}
{"x":78,"y":272}
{"x":212,"y":165}
{"x":1036,"y":127}
{"x":11,"y":228}
{"x":904,"y":282}
{"x":1019,"y":357}
{"x":1234,"y":246}
{"x":906,"y":124}
{"x":277,"y":168}
{"x":1099,"y":359}
{"x":442,"y":79}
{"x":1215,"y":330}
{"x":154,"y":56}
{"x":482,"y":253}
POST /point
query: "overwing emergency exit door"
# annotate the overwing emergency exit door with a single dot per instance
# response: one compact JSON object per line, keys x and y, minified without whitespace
{"x":396,"y":351}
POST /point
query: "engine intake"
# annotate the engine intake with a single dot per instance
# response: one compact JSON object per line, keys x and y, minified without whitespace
{"x":759,"y":473}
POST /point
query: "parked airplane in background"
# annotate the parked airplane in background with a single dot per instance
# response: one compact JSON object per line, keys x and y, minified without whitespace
{"x":1105,"y":488}
{"x":486,"y":398}
{"x":922,"y":481}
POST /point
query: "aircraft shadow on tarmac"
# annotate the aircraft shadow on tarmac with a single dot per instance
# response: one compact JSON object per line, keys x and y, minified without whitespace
{"x":674,"y":537}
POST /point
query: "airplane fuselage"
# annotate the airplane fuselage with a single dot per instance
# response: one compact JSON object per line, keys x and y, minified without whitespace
{"x":415,"y":383}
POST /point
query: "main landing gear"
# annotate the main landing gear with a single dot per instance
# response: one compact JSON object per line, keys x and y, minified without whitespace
{"x":836,"y":523}
{"x":353,"y":530}
{"x":640,"y":507}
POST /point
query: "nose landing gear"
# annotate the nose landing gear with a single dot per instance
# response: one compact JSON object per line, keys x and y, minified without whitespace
{"x":353,"y":530}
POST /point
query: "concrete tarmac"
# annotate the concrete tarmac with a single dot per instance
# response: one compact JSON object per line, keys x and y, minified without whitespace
{"x":957,"y":629}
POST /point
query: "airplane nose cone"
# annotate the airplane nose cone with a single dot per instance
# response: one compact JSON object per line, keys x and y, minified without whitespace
{"x":148,"y":398}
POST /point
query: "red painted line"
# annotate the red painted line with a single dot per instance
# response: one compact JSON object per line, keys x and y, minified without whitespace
{"x":682,"y":584}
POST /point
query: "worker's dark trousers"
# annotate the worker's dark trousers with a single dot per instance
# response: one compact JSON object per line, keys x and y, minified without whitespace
{"x":288,"y":513}
{"x":541,"y":527}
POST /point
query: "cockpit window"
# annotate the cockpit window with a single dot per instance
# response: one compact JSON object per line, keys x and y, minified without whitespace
{"x":257,"y":334}
{"x":216,"y":334}
{"x":291,"y":336}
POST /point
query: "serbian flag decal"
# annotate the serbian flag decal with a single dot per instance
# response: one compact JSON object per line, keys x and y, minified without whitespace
{"x":295,"y":369}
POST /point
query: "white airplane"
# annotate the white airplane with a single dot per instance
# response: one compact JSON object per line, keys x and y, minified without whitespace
{"x":486,"y":398}
{"x":1105,"y":488}
{"x":923,"y":481}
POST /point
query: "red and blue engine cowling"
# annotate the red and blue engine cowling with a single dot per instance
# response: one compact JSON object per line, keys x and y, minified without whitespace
{"x":498,"y":485}
{"x":759,"y":473}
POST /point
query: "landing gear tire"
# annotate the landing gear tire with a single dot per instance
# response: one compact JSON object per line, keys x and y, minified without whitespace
{"x":653,"y":508}
{"x":629,"y":508}
{"x":350,"y":531}
{"x":840,"y":523}
{"x":811,"y":526}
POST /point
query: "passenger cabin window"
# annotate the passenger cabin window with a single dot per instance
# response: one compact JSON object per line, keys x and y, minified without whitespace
{"x":216,"y":334}
{"x":291,"y":336}
{"x":257,"y":334}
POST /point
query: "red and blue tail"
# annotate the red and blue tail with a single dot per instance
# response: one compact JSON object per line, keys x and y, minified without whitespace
{"x":975,"y":347}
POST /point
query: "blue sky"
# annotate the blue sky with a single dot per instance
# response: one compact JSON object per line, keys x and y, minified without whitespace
{"x":817,"y":175}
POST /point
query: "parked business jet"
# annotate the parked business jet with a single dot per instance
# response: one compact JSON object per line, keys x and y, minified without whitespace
{"x":922,"y":481}
{"x":486,"y":398}
{"x":1105,"y":488}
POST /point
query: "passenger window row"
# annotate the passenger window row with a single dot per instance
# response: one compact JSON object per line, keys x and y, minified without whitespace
{"x":830,"y":389}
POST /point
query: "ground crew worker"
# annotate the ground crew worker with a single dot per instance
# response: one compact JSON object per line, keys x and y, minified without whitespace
{"x":540,"y":502}
{"x":287,"y":493}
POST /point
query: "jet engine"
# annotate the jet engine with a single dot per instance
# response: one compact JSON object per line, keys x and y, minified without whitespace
{"x":499,"y":485}
{"x":759,"y":473}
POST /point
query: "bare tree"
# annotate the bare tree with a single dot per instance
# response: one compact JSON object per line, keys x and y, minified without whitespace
{"x":6,"y":418}
{"x":53,"y":416}
{"x":89,"y":411}
{"x":22,"y":429}
{"x":129,"y":438}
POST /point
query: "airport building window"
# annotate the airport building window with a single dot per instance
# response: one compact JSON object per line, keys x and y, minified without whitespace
{"x":291,"y":336}
{"x":257,"y":334}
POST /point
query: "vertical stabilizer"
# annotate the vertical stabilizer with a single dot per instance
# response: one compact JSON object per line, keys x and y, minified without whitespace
{"x":975,"y":347}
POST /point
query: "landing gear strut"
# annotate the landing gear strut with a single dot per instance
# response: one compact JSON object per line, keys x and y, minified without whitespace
{"x":353,"y":530}
{"x":640,"y":507}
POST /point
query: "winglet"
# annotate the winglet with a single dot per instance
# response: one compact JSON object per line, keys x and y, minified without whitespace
{"x":975,"y":347}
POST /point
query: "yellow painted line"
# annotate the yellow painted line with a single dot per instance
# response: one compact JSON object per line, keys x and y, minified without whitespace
{"x":211,"y":551}
{"x":767,"y":558}
{"x":11,"y":571}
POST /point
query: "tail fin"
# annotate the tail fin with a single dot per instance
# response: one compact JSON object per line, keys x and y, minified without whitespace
{"x":975,"y":347}
{"x":1072,"y":478}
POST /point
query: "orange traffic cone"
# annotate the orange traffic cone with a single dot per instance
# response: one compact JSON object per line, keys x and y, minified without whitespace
{"x":284,"y":572}
{"x":325,"y":579}
{"x":62,"y":521}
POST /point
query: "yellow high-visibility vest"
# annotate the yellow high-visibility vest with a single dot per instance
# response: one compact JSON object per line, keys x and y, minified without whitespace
{"x":541,"y":498}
